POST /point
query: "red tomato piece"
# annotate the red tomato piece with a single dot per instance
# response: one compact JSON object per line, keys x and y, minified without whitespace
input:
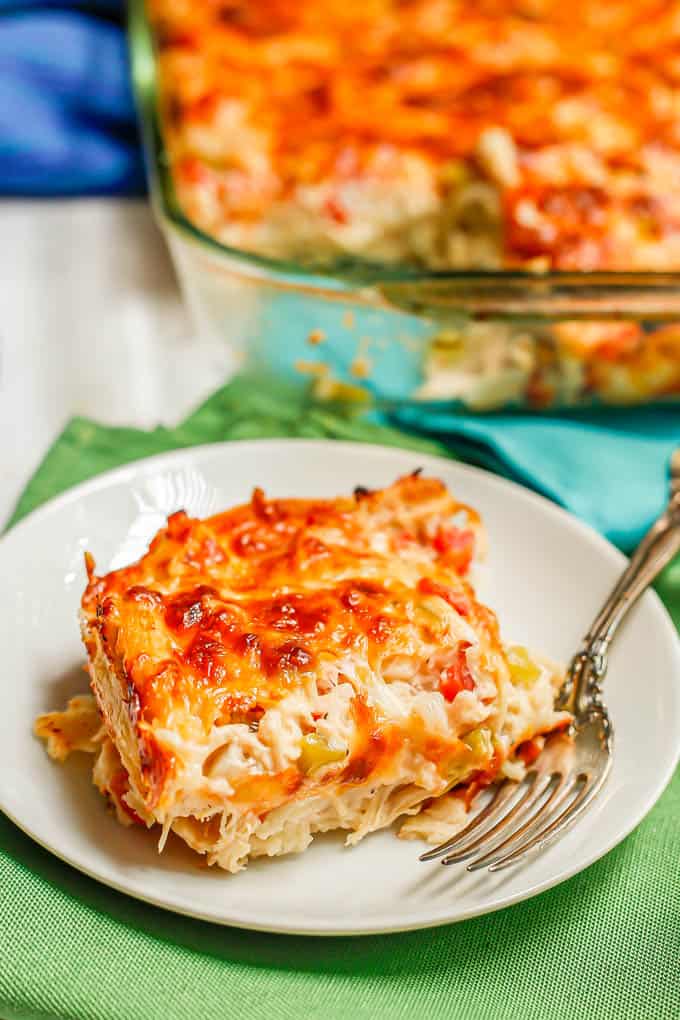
{"x":457,"y":677}
{"x":530,"y":750}
{"x":192,"y":170}
{"x":336,"y":210}
{"x":458,"y":600}
{"x":457,"y":544}
{"x":404,"y":539}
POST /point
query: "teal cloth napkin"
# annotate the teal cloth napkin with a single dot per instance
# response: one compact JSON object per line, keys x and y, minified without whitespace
{"x":609,"y":467}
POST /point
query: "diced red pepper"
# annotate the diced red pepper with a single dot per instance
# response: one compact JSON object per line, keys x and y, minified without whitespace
{"x":192,"y":170}
{"x":479,"y":781}
{"x":530,"y":750}
{"x":458,"y":600}
{"x":457,"y":677}
{"x":457,"y":544}
{"x":404,"y":538}
{"x":204,"y":108}
{"x":336,"y":210}
{"x":616,"y":344}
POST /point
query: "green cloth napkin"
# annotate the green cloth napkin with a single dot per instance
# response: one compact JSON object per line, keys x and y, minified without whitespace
{"x":605,"y":944}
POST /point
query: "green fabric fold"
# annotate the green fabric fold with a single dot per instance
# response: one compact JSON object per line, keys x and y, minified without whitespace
{"x":250,"y":407}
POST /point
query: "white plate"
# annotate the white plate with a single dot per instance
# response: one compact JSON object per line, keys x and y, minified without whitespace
{"x":547,"y":575}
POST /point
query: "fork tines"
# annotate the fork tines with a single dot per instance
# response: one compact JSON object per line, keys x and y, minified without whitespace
{"x":517,"y":818}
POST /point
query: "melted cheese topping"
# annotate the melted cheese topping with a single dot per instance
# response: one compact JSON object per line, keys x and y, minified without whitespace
{"x":529,"y":129}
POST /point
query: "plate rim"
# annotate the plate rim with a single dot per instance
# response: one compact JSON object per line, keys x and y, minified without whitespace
{"x":126,"y":472}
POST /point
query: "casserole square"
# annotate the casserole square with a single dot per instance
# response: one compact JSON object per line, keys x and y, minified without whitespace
{"x":294,"y":666}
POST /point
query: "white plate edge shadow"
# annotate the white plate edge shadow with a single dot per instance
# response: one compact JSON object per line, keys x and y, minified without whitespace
{"x":126,"y":474}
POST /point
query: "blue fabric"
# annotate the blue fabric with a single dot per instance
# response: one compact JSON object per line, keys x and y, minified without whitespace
{"x":67,"y":121}
{"x":67,"y":127}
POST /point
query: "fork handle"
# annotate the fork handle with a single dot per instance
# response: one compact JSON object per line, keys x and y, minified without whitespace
{"x":581,"y":692}
{"x":658,"y":533}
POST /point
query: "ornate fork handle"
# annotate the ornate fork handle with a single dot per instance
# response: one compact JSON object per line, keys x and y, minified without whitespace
{"x":582,"y":689}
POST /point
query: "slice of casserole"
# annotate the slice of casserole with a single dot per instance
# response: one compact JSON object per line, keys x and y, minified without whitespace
{"x":294,"y":666}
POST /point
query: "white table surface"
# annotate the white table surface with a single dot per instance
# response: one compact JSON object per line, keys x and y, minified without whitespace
{"x":92,"y":324}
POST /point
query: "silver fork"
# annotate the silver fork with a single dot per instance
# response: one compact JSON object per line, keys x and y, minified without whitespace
{"x":519,"y":818}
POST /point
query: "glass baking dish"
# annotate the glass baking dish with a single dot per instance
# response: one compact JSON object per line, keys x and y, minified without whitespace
{"x":386,"y":336}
